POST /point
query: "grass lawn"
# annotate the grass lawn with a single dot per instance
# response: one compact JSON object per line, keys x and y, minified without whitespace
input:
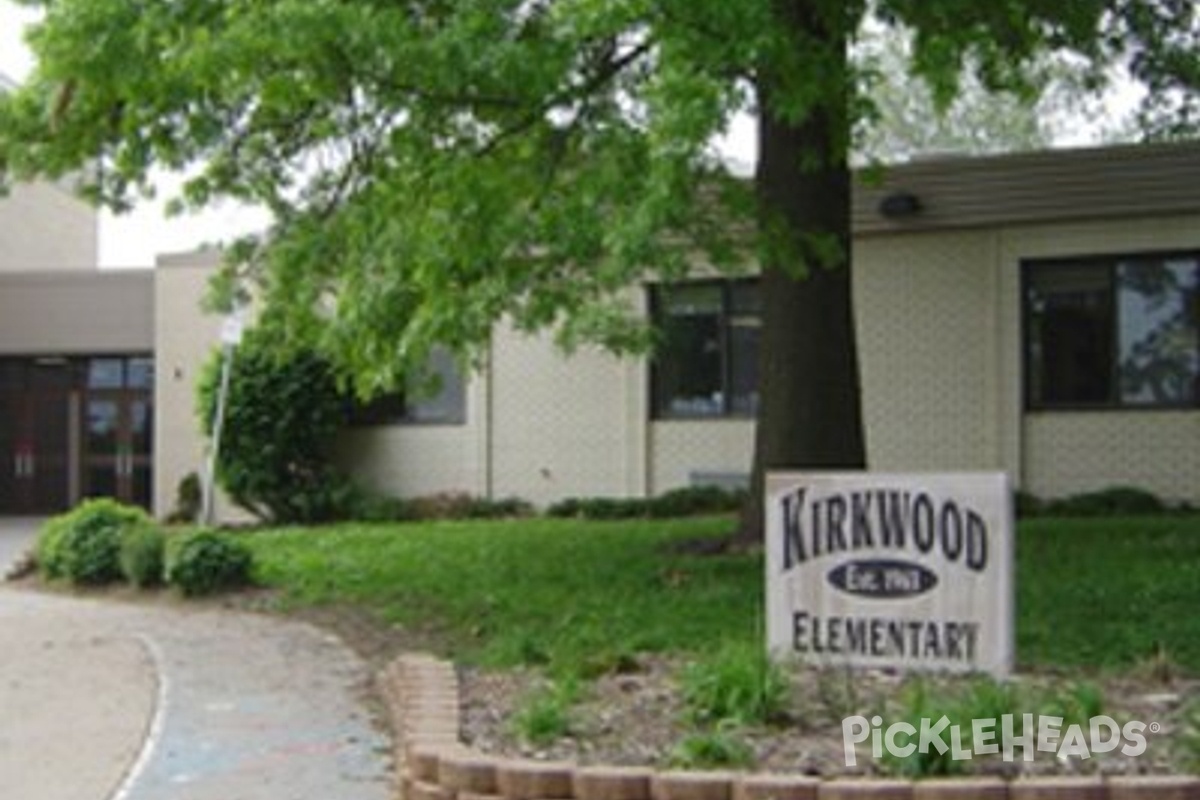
{"x":1096,"y":593}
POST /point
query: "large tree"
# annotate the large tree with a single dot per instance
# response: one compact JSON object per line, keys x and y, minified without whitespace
{"x":437,"y":165}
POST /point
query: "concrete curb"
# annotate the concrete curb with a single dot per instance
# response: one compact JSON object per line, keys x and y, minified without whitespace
{"x":432,"y":764}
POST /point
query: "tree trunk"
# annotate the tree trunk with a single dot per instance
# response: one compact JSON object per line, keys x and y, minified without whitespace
{"x":810,"y":413}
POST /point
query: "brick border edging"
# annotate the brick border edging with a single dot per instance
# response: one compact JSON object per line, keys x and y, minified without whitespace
{"x":421,"y":693}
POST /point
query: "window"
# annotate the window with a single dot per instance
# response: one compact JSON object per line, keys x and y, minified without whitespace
{"x":107,"y":372}
{"x":707,"y":365}
{"x":1113,"y":332}
{"x":440,"y":400}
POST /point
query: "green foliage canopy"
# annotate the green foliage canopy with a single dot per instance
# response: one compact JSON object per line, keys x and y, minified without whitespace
{"x":435,"y":166}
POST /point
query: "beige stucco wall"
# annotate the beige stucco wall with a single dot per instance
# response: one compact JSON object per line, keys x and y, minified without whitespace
{"x":564,"y":426}
{"x":412,"y":460}
{"x":1156,"y":450}
{"x":929,"y":349}
{"x":184,"y":338}
{"x":43,"y":227}
{"x":682,"y":448}
{"x":930,"y":353}
{"x":74,"y":312}
{"x":1068,"y":452}
{"x":939,"y":326}
{"x":939,"y":323}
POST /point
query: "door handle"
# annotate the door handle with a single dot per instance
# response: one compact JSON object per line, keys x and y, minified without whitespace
{"x":30,"y":465}
{"x":18,"y":465}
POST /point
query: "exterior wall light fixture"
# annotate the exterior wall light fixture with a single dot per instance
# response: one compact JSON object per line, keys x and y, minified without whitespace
{"x":900,"y":205}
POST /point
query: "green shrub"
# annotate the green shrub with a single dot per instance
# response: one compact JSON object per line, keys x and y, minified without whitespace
{"x":739,"y":684}
{"x":545,"y":715}
{"x":1027,"y":505}
{"x":189,"y":496}
{"x":1114,"y":501}
{"x":283,"y":413}
{"x":141,"y":555}
{"x":83,"y":546}
{"x":502,"y":508}
{"x":365,"y":505}
{"x":695,"y":500}
{"x":206,"y":561}
{"x":460,"y":505}
{"x":686,"y":502}
{"x":565,"y":509}
{"x":714,"y":749}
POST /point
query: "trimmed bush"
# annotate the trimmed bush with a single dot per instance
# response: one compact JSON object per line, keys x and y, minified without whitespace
{"x":83,"y":546}
{"x":283,"y":412}
{"x":689,"y":501}
{"x":460,"y":505}
{"x":1113,"y":501}
{"x":141,"y":555}
{"x":206,"y":562}
{"x":695,"y":500}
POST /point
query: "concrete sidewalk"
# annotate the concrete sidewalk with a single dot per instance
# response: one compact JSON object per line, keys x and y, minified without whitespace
{"x":102,"y":700}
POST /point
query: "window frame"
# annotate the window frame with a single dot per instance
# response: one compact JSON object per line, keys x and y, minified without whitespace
{"x":1109,"y":263}
{"x":658,"y":412}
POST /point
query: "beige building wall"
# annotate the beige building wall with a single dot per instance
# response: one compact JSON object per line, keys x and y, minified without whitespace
{"x":929,"y":348}
{"x":940,"y":342}
{"x":564,"y":426}
{"x":412,"y":460}
{"x":1064,"y":452}
{"x":684,"y":452}
{"x":938,"y":310}
{"x":184,"y":338}
{"x":65,"y":313}
{"x":44,"y":227}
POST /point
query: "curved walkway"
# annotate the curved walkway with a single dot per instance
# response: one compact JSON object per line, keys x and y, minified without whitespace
{"x":110,"y":701}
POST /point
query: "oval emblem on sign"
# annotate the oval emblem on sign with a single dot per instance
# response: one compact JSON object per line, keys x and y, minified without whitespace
{"x":885,"y":579}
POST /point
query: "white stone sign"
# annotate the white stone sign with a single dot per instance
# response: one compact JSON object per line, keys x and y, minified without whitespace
{"x":909,"y":571}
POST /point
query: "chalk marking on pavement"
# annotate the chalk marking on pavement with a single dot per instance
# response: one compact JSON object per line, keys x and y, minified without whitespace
{"x":158,"y":721}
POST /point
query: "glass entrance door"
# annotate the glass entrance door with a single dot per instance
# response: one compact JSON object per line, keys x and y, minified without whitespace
{"x":117,"y":430}
{"x":34,"y":436}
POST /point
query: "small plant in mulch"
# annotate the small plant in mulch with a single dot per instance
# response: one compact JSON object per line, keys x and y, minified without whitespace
{"x":720,"y":747}
{"x":739,"y":684}
{"x":546,"y":714}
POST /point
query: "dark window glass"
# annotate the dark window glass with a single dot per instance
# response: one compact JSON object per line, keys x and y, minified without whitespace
{"x":1158,"y":303}
{"x":440,"y":397}
{"x":103,"y":420}
{"x":707,"y":364}
{"x":437,"y":397}
{"x":1113,"y":332}
{"x":106,"y":373}
{"x":12,"y":374}
{"x":1070,"y":335}
{"x":140,"y":373}
{"x":689,"y":363}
